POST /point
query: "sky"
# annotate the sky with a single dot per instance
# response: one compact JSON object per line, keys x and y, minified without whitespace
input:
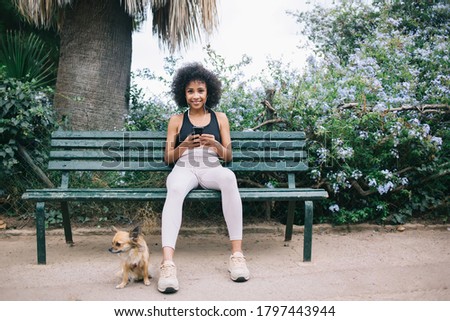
{"x":260,"y":29}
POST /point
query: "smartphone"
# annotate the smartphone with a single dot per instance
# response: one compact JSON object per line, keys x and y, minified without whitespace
{"x":197,"y":130}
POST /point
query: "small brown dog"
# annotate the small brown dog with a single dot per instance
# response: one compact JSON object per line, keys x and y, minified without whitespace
{"x":134,"y":253}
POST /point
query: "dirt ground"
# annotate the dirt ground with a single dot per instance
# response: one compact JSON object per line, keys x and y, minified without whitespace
{"x":362,"y":262}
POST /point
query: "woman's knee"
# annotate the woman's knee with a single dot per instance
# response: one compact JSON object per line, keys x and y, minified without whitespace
{"x":176,"y":189}
{"x":228,"y":176}
{"x":178,"y":186}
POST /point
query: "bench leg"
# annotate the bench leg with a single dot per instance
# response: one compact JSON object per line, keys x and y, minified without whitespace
{"x":289,"y":221}
{"x":66,"y":222}
{"x":40,"y":233}
{"x":307,"y":238}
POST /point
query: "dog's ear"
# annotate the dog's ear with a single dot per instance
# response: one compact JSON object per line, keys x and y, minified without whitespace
{"x":134,"y":234}
{"x":113,"y":228}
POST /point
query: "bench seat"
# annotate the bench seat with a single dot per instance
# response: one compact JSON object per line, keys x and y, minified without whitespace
{"x":146,"y":194}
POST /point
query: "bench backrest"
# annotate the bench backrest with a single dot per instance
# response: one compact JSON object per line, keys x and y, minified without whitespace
{"x":144,"y":151}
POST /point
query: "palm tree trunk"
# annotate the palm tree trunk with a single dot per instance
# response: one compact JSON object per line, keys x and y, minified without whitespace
{"x":94,"y":65}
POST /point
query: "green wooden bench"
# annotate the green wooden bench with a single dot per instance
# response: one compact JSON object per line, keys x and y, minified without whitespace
{"x":72,"y":151}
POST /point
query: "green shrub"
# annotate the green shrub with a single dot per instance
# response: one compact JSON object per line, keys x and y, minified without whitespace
{"x":26,"y":120}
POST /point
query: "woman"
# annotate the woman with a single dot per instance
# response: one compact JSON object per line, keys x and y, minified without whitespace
{"x":196,"y":156}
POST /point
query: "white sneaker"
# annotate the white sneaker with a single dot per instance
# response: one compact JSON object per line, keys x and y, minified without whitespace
{"x":168,"y":282}
{"x":238,"y":268}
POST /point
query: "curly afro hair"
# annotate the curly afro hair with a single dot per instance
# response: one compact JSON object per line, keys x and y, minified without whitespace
{"x":196,"y":71}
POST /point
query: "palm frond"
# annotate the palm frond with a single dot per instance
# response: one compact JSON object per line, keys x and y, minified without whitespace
{"x":135,"y":7}
{"x":156,"y":4}
{"x":177,"y":23}
{"x":41,"y":13}
{"x":209,"y":15}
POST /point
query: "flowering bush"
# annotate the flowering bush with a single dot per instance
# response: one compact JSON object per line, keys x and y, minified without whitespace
{"x":376,"y":116}
{"x":373,"y":102}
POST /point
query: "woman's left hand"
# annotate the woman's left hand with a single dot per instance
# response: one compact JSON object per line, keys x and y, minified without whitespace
{"x":208,"y":140}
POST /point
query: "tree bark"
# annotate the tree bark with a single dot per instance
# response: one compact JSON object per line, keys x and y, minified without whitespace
{"x":94,"y":65}
{"x":39,"y":173}
{"x":270,"y":111}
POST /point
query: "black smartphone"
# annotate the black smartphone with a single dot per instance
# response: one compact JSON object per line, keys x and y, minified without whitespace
{"x":197,"y":130}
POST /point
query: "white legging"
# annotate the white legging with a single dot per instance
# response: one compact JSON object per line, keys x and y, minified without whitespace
{"x":200,"y":167}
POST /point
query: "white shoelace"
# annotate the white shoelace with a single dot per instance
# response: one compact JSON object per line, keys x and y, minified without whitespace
{"x":238,"y":261}
{"x":168,"y":270}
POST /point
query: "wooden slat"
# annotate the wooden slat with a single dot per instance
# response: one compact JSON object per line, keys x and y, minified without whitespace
{"x":111,"y":144}
{"x":269,"y":155}
{"x":99,"y":155}
{"x":162,"y":134}
{"x":113,"y":165}
{"x":106,"y":144}
{"x":119,"y":165}
{"x":158,"y":190}
{"x":267,"y":144}
{"x":267,"y":166}
{"x":108,"y":134}
{"x":256,"y":194}
{"x":267,"y":135}
{"x":159,"y":155}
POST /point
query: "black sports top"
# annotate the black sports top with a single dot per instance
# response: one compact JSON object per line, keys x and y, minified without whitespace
{"x":187,"y":128}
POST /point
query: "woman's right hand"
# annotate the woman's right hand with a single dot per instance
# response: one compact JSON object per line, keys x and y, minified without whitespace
{"x":191,"y":141}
